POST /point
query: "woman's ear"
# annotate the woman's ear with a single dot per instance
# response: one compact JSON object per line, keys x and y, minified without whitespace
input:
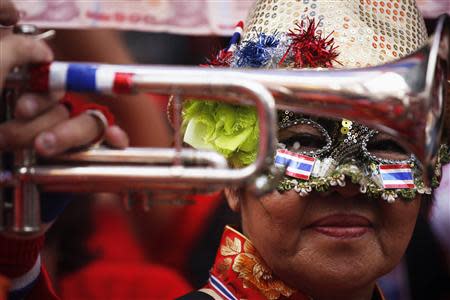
{"x":233,"y":198}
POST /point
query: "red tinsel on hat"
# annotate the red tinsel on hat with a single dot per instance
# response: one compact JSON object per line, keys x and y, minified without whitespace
{"x":309,"y":49}
{"x":222,"y":59}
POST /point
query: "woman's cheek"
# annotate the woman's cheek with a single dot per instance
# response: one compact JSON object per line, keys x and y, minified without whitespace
{"x":273,"y":223}
{"x":285,"y":209}
{"x":397,"y":222}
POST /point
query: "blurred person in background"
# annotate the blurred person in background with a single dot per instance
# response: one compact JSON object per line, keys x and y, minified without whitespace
{"x":45,"y":125}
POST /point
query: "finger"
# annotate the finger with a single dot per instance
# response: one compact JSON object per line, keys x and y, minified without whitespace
{"x":72,"y":133}
{"x":9,"y":15}
{"x":30,"y":106}
{"x":19,"y":50}
{"x":19,"y":134}
{"x":116,"y":137}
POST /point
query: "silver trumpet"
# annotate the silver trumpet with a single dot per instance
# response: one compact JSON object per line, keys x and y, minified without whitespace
{"x":405,"y":99}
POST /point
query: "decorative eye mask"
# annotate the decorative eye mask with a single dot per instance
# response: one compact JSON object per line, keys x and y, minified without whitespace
{"x":320,"y":153}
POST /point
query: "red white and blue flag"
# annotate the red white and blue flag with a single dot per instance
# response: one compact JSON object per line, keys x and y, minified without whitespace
{"x":79,"y":77}
{"x":297,"y":165}
{"x":398,"y":176}
{"x":221,"y":288}
{"x":236,"y":36}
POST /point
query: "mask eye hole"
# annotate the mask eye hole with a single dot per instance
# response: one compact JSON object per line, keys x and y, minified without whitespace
{"x":304,"y":138}
{"x":383,"y":146}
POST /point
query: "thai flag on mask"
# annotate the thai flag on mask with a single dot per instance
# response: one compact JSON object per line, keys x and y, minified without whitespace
{"x":297,"y":165}
{"x":397,"y":176}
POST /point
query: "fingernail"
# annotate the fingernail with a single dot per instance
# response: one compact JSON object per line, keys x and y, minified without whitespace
{"x":7,"y":18}
{"x":119,"y":135}
{"x":49,"y":57}
{"x":115,"y":129}
{"x":30,"y":106}
{"x":44,"y":52}
{"x":48,"y":142}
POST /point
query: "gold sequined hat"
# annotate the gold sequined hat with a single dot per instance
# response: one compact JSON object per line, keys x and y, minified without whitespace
{"x":367,"y":32}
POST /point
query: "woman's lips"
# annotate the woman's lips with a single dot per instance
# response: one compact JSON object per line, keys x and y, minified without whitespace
{"x":342,"y":226}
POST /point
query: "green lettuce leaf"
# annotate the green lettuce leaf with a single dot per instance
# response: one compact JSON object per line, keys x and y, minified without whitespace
{"x":228,"y":129}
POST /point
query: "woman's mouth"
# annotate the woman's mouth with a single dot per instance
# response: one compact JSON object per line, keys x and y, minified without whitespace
{"x":344,"y":226}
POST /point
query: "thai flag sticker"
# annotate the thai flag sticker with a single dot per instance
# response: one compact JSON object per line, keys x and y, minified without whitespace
{"x":397,"y":176}
{"x":297,"y":165}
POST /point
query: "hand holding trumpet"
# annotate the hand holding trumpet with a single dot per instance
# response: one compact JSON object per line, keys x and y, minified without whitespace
{"x":39,"y":120}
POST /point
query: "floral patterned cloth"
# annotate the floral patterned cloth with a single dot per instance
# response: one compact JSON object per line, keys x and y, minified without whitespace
{"x":241,"y":271}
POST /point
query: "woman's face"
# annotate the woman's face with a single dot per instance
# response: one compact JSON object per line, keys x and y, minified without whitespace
{"x":338,"y":239}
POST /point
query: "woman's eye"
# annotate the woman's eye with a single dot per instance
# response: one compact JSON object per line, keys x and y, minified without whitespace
{"x":303,"y":142}
{"x":387,"y":149}
{"x":302,"y":138}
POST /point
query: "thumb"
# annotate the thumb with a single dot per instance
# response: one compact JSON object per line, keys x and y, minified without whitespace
{"x":9,"y":15}
{"x":18,"y":50}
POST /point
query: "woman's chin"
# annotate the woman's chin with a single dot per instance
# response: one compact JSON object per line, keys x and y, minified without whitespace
{"x":338,"y":278}
{"x":338,"y":263}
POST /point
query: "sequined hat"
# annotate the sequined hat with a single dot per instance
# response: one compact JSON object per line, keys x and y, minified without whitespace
{"x":317,"y":34}
{"x":366,"y":32}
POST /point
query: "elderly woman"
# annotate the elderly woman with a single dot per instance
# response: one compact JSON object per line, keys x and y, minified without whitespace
{"x":345,"y":210}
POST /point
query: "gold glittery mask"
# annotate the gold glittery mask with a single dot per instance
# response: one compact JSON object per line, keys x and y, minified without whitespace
{"x":366,"y":33}
{"x":317,"y":154}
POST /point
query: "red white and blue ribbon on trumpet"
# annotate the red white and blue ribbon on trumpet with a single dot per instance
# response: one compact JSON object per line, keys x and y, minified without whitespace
{"x":80,"y":78}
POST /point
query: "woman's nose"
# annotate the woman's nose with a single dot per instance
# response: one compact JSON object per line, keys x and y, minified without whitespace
{"x":349,"y":190}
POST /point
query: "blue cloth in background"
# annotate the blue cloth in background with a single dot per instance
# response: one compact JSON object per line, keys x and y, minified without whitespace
{"x":52,"y":204}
